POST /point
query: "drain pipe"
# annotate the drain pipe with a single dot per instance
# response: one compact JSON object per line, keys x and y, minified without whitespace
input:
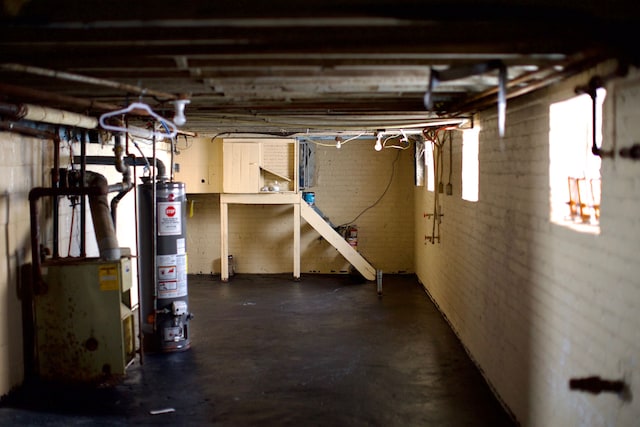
{"x":123,"y":168}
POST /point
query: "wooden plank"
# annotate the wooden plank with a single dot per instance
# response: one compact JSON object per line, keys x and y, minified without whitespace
{"x":224,"y":241}
{"x":241,"y":167}
{"x":265,"y":198}
{"x":296,"y":240}
{"x":337,"y":241}
{"x":286,"y":178}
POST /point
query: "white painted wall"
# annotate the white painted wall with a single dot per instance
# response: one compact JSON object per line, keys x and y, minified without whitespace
{"x":348,"y":181}
{"x":535,"y":303}
{"x":21,"y":161}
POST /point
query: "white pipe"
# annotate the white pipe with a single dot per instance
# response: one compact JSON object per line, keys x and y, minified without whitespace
{"x":37,"y":113}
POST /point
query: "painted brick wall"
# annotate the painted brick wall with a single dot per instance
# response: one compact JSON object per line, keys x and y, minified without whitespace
{"x":25,"y":163}
{"x":21,"y":160}
{"x":535,"y":303}
{"x":349,"y":180}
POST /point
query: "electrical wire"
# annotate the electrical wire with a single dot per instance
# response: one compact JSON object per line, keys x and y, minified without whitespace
{"x":147,"y":166}
{"x":393,"y":171}
{"x":334,"y":145}
{"x":399,"y":147}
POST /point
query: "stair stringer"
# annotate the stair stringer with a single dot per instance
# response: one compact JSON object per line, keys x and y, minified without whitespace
{"x":337,"y":241}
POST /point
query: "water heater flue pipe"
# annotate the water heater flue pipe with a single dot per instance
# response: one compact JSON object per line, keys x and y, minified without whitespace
{"x":101,"y":216}
{"x":97,"y":191}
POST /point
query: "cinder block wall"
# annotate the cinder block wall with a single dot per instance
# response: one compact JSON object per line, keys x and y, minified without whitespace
{"x":25,"y":163}
{"x":537,"y":304}
{"x":348,"y":181}
{"x":21,"y":169}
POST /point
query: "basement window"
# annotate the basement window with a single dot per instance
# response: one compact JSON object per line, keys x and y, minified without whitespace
{"x":574,"y":172}
{"x":470,"y":167}
{"x":429,"y":163}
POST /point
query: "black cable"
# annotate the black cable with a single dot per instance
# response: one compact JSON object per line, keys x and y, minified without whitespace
{"x":393,"y":171}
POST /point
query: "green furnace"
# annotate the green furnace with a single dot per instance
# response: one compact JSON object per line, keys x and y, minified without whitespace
{"x":84,"y":318}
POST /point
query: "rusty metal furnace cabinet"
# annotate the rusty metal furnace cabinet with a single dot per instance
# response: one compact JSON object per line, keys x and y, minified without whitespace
{"x":84,"y":321}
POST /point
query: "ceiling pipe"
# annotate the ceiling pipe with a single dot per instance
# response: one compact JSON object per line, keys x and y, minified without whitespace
{"x":21,"y":92}
{"x":537,"y":74}
{"x":49,"y":115}
{"x":532,"y":81}
{"x":63,"y":75}
{"x":54,"y":98}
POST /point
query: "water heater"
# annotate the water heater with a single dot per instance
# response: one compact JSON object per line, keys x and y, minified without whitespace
{"x":162,"y":265}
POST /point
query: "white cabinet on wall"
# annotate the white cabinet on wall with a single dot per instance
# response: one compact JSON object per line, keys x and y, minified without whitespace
{"x":241,"y":164}
{"x":199,"y":166}
{"x":234,"y":165}
{"x":259,"y":165}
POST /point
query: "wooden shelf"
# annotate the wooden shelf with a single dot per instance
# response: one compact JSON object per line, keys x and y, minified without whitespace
{"x":275,"y":174}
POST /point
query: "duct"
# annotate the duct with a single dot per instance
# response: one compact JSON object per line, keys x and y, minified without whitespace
{"x":101,"y":216}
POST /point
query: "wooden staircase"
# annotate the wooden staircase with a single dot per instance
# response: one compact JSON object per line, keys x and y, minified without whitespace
{"x":337,"y":241}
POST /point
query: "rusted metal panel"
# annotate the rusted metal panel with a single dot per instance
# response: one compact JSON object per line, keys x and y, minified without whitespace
{"x":84,"y":321}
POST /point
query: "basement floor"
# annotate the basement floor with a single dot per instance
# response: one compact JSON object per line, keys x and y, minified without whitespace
{"x":267,"y":350}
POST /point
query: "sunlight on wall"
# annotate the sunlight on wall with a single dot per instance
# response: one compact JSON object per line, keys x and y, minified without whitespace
{"x":574,"y":172}
{"x":470,"y":169}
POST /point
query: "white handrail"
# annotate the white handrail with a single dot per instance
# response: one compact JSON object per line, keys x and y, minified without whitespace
{"x":139,"y":106}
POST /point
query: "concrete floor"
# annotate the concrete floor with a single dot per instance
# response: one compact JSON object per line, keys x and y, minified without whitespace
{"x":270,"y":351}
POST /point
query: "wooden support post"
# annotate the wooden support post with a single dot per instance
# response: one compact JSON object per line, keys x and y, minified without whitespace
{"x":224,"y":240}
{"x":296,"y":241}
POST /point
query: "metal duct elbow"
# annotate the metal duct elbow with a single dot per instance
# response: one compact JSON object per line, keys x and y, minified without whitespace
{"x":101,"y":216}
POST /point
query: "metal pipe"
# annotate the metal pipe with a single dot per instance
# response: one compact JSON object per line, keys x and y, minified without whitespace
{"x":83,"y":206}
{"x":63,"y":75}
{"x":161,"y":169}
{"x":486,"y":98}
{"x":50,"y":97}
{"x":126,"y":185}
{"x":101,"y":216}
{"x":55,"y":116}
{"x":12,"y":126}
{"x":34,"y":195}
{"x":15,"y":111}
{"x":55,"y":173}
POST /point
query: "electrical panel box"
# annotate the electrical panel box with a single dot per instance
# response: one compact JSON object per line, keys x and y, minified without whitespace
{"x":84,"y":321}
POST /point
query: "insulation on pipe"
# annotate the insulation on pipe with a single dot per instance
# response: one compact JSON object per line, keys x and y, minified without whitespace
{"x":36,"y":113}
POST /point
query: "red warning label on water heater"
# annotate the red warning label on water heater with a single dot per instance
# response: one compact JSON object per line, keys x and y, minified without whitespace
{"x":172,"y":275}
{"x":167,"y":272}
{"x":169,"y":219}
